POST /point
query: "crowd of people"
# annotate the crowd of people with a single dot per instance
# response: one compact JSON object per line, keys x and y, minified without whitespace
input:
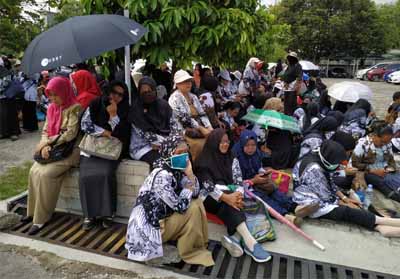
{"x":189,"y":129}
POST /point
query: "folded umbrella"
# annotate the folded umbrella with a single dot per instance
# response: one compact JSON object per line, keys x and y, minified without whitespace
{"x":78,"y":39}
{"x":283,"y":220}
{"x":350,"y":91}
{"x":308,"y":65}
{"x":272,"y":118}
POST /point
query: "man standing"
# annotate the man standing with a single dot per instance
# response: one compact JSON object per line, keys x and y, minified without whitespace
{"x":292,"y":78}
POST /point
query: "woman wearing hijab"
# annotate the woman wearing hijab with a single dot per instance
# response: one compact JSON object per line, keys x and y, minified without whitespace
{"x":216,"y":168}
{"x":316,"y":187}
{"x":251,"y":77}
{"x":254,"y":167}
{"x":86,"y":87}
{"x":279,"y":142}
{"x":150,"y":118}
{"x":345,"y":176}
{"x":292,"y":78}
{"x":225,"y":90}
{"x":317,"y":133}
{"x":188,"y":115}
{"x":356,"y":119}
{"x":45,"y":180}
{"x":29,"y":117}
{"x":312,"y":115}
{"x":106,"y":116}
{"x":166,"y":210}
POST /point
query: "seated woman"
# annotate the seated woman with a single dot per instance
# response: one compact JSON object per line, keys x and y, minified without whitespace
{"x":86,"y":87}
{"x":316,"y":134}
{"x":188,"y":115}
{"x":251,"y":165}
{"x":392,"y":118}
{"x":166,"y":210}
{"x":316,"y":187}
{"x":231,"y":111}
{"x":356,"y":119}
{"x":312,"y":116}
{"x":106,"y":116}
{"x":280,"y":143}
{"x":346,"y":173}
{"x":151,"y":120}
{"x":373,"y":155}
{"x":62,"y":126}
{"x":216,"y":168}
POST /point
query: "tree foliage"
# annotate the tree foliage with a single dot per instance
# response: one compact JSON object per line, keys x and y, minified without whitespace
{"x":17,"y":28}
{"x":389,"y":15}
{"x":331,"y":28}
{"x":213,"y":32}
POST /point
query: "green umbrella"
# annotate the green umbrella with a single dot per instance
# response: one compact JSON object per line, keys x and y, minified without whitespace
{"x":273,"y":119}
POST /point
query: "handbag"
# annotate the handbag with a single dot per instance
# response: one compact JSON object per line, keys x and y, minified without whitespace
{"x":102,"y":147}
{"x":258,"y":220}
{"x":56,"y":153}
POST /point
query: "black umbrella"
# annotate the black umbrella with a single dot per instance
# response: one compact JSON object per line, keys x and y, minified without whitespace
{"x":78,"y":39}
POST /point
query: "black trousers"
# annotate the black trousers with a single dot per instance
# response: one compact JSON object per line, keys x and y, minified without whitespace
{"x":290,"y":102}
{"x":29,"y":118}
{"x":230,"y":216}
{"x":379,"y":184}
{"x":351,"y":215}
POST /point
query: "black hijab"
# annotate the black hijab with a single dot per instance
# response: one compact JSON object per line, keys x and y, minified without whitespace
{"x":98,"y":109}
{"x":361,"y":104}
{"x":154,"y":117}
{"x":345,"y":139}
{"x":311,"y":112}
{"x":331,"y":151}
{"x":326,"y":124}
{"x":338,"y":115}
{"x":212,"y":164}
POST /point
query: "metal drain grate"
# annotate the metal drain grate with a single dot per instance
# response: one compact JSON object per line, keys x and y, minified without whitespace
{"x":65,"y":229}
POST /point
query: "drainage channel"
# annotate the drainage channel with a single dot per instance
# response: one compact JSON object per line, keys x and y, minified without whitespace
{"x":66,"y":230}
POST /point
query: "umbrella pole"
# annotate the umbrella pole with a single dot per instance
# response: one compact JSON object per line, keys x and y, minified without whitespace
{"x":283,"y":220}
{"x":128,"y":64}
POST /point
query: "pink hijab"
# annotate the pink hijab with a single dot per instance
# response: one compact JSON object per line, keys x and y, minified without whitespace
{"x":61,"y":87}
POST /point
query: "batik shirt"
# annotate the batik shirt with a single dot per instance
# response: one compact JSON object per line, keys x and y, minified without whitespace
{"x":181,"y":115}
{"x":160,"y":196}
{"x":314,"y":186}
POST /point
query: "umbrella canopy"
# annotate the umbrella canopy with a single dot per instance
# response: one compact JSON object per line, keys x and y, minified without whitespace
{"x":272,"y":118}
{"x":78,"y":39}
{"x":308,"y":66}
{"x":350,"y":91}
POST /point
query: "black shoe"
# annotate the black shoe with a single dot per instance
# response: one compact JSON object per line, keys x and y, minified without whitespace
{"x":26,"y":219}
{"x":34,"y":230}
{"x":88,"y":224}
{"x":107,"y":223}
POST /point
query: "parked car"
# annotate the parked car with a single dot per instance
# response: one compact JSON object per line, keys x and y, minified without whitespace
{"x":377,"y":74}
{"x":388,"y":72}
{"x":394,"y":77}
{"x":338,"y":73}
{"x":362,"y":74}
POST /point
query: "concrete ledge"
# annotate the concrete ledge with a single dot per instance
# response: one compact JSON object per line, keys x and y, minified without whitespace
{"x":130,"y":176}
{"x":143,"y":271}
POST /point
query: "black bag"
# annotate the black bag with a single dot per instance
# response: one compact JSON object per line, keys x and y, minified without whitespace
{"x":57,"y":153}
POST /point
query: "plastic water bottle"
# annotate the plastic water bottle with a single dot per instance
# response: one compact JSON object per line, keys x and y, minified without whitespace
{"x":369,"y":195}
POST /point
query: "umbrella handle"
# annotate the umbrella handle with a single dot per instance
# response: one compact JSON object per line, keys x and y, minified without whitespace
{"x":319,"y":245}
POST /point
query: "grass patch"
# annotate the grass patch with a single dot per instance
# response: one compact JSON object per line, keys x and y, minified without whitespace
{"x":14,"y":180}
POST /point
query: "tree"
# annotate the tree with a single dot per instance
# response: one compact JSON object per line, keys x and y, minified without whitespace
{"x":17,"y":28}
{"x":67,"y":9}
{"x":325,"y":28}
{"x":389,"y":15}
{"x":213,"y":32}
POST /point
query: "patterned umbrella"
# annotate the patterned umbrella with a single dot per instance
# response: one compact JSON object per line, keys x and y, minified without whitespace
{"x":273,"y":119}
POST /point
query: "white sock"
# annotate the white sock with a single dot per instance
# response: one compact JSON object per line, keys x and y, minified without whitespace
{"x":38,"y":225}
{"x":246,"y":235}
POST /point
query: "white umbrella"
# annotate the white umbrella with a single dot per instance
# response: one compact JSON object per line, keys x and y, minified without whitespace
{"x":350,"y":91}
{"x":308,"y":66}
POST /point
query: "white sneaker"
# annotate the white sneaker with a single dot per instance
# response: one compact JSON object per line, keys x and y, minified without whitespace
{"x":232,"y":245}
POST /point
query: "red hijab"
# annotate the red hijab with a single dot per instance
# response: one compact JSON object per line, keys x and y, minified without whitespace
{"x":62,"y":88}
{"x":87,"y":87}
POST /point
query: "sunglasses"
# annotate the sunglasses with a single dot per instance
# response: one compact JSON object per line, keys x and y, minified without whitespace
{"x":116,"y":93}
